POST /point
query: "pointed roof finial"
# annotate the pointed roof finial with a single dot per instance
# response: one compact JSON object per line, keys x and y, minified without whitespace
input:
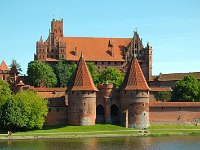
{"x":81,"y":55}
{"x":41,"y":40}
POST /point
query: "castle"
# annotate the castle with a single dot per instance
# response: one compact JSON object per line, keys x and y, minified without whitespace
{"x":103,"y":52}
{"x":132,"y":105}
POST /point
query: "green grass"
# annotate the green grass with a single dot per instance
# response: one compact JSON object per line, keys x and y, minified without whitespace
{"x":63,"y":131}
{"x":166,"y":126}
{"x":64,"y":128}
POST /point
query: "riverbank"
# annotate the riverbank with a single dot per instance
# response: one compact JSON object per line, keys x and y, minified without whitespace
{"x":102,"y":130}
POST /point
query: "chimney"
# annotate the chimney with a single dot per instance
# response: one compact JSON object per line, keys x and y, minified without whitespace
{"x":75,"y":51}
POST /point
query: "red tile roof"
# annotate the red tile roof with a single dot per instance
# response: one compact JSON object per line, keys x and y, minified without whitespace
{"x":82,"y":78}
{"x":156,"y":89}
{"x":176,"y":76}
{"x":51,"y":59}
{"x":174,"y":104}
{"x":134,"y":79}
{"x":3,"y":66}
{"x":50,"y":89}
{"x":95,"y":49}
{"x":21,"y":83}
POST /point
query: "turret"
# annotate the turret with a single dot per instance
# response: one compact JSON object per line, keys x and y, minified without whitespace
{"x":149,"y":59}
{"x":135,"y":97}
{"x":41,"y":50}
{"x":57,"y":28}
{"x":106,"y":91}
{"x":4,"y":71}
{"x":82,"y":97}
{"x":13,"y":77}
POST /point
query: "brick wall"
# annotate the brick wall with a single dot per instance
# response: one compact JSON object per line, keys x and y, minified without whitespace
{"x":174,"y":115}
{"x":57,"y":105}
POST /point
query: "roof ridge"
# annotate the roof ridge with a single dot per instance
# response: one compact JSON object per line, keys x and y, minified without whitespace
{"x":97,"y":37}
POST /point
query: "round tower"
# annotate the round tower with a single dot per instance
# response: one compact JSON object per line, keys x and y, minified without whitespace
{"x":82,"y":108}
{"x":106,"y":90}
{"x":138,"y":109}
{"x":135,"y":98}
{"x":82,"y":97}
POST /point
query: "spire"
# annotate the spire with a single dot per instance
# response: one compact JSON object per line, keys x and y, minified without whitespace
{"x":134,"y":79}
{"x":14,"y":69}
{"x":3,"y":66}
{"x":82,"y":79}
{"x":41,"y":40}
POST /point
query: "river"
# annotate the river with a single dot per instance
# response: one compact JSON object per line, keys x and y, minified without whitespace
{"x":117,"y":143}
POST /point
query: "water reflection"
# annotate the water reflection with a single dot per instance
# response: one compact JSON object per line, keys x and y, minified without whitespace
{"x":119,"y":143}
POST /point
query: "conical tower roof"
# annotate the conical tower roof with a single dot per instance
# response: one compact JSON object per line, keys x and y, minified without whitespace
{"x":3,"y":66}
{"x":82,"y":78}
{"x":134,"y":79}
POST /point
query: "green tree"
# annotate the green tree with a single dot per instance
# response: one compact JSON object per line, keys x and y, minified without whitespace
{"x":187,"y":89}
{"x":70,"y":72}
{"x":163,"y":95}
{"x":41,"y":74}
{"x":64,"y":73}
{"x":11,"y":115}
{"x":25,"y":110}
{"x":18,"y":66}
{"x":35,"y":109}
{"x":94,"y":72}
{"x":111,"y":75}
{"x":4,"y":88}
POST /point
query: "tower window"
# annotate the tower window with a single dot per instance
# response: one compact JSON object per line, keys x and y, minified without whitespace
{"x":4,"y":77}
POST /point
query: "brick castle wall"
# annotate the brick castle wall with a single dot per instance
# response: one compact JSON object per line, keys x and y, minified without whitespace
{"x":174,"y":115}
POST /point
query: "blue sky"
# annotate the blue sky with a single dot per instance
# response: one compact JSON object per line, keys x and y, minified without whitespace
{"x":171,"y":27}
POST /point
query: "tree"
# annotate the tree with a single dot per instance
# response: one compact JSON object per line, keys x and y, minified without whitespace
{"x":4,"y":88}
{"x":187,"y":89}
{"x":111,"y":75}
{"x":5,"y":93}
{"x":94,"y":72}
{"x":163,"y":95}
{"x":35,"y":108}
{"x":18,"y":66}
{"x":64,"y":73}
{"x":25,"y":110}
{"x":41,"y":74}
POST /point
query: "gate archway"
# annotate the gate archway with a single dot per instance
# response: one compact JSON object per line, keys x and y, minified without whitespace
{"x":100,"y":114}
{"x":114,"y":114}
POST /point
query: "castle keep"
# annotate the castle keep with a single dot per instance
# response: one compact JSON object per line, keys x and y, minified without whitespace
{"x":103,"y":52}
